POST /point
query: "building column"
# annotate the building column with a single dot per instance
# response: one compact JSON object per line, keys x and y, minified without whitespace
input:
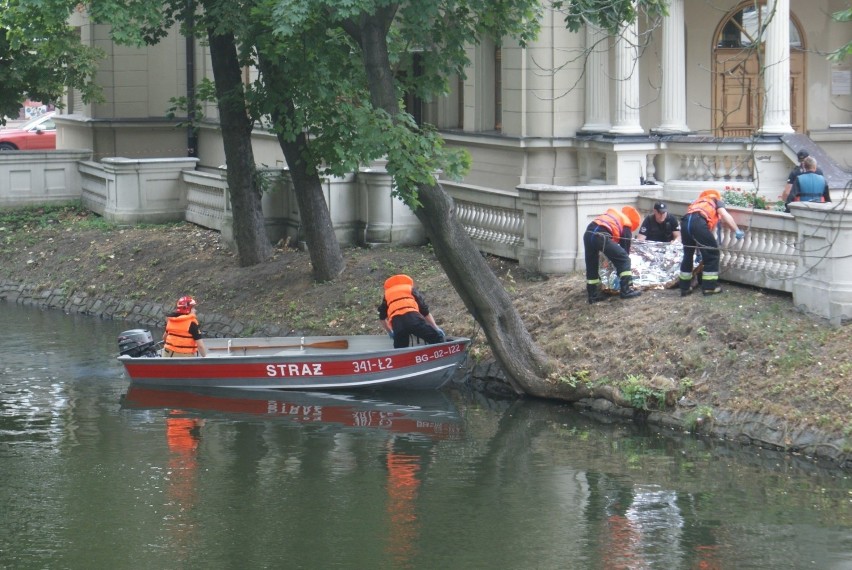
{"x":627,"y":82}
{"x":776,"y":75}
{"x":597,"y":80}
{"x":673,"y":95}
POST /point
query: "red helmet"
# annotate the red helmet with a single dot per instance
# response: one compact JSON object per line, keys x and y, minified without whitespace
{"x":185,"y":305}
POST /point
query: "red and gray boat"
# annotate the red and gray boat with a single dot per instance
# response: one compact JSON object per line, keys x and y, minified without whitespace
{"x":293,"y":363}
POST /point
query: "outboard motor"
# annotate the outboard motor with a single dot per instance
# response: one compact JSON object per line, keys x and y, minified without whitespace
{"x":137,"y":343}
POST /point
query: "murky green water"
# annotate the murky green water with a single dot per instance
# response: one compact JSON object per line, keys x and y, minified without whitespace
{"x":96,"y":477}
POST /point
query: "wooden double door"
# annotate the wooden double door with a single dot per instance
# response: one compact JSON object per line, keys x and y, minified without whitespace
{"x":739,"y":91}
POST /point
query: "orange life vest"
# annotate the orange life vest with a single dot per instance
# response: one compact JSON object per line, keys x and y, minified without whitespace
{"x":614,"y":222}
{"x":706,"y":208}
{"x":399,"y":296}
{"x":178,"y":338}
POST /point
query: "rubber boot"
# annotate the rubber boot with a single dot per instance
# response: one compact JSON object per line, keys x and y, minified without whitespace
{"x":594,"y":292}
{"x":714,"y":290}
{"x":627,"y":290}
{"x":685,"y":287}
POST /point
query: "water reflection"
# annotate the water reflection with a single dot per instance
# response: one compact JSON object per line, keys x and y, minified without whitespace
{"x":408,"y":421}
{"x":427,"y":413}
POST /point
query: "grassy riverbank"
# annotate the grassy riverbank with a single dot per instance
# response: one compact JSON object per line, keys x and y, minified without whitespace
{"x":745,"y":351}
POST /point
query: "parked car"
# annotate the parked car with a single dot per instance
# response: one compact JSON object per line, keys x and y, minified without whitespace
{"x":36,"y":134}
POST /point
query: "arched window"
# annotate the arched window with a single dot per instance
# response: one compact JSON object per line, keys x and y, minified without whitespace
{"x":746,"y":27}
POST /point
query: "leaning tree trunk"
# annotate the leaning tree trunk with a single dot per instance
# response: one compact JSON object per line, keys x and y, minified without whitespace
{"x":253,"y":245}
{"x":525,"y":364}
{"x":323,"y":247}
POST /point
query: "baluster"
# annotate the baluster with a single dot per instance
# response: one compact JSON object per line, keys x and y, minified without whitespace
{"x":727,"y":165}
{"x":712,"y":166}
{"x":760,"y":249}
{"x":743,"y":251}
{"x":475,"y":216}
{"x":792,"y":260}
{"x":728,"y":255}
{"x":751,"y":249}
{"x":775,"y":245}
{"x":690,"y":167}
{"x":745,"y":170}
{"x":489,"y":225}
{"x":518,"y":228}
{"x":482,"y":223}
{"x":702,"y":167}
{"x":737,"y":168}
{"x":650,"y":168}
{"x":790,"y":256}
{"x":462,"y":210}
{"x":508,"y":222}
{"x":501,"y":224}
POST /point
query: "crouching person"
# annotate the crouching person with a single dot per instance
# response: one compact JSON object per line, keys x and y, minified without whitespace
{"x":610,"y":234}
{"x":404,"y":312}
{"x":697,"y":231}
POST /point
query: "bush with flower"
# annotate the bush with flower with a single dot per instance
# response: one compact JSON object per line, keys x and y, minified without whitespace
{"x":736,"y":196}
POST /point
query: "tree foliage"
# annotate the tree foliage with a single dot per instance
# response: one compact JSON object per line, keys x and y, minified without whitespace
{"x":41,"y":55}
{"x":609,"y":15}
{"x":438,"y":32}
{"x":841,"y":53}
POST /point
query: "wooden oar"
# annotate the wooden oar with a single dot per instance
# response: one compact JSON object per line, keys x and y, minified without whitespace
{"x":342,"y":343}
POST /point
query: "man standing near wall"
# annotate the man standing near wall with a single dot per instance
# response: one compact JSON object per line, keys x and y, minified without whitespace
{"x":809,"y":186}
{"x":800,"y":168}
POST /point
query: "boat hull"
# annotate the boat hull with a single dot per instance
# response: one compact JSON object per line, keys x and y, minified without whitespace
{"x":308,"y":363}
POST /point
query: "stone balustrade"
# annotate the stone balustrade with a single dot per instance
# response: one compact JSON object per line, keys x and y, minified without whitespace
{"x":494,"y":220}
{"x":131,"y":191}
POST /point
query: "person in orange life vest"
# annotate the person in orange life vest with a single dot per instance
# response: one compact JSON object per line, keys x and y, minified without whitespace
{"x":696,"y":230}
{"x":183,"y":335}
{"x":809,"y":186}
{"x":611,"y":233}
{"x":404,"y":312}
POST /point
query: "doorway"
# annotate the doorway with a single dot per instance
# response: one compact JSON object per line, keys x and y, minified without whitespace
{"x":738,"y":90}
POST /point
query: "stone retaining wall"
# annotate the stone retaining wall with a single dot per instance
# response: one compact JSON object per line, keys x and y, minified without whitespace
{"x":141,"y":313}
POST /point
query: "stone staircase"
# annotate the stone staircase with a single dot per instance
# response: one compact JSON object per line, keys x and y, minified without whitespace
{"x":836,"y":176}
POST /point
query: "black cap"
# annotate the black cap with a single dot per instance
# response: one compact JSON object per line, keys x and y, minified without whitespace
{"x":802,"y":155}
{"x":660,"y":206}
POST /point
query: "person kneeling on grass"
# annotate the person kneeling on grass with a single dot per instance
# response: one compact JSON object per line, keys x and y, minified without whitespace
{"x":404,"y":312}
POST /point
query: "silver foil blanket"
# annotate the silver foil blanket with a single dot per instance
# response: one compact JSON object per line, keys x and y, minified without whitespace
{"x":655,"y":265}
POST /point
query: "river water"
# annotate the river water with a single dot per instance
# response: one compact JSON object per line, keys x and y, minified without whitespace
{"x":98,"y":476}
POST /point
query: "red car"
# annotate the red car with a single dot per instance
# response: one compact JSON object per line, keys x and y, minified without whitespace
{"x":36,"y":134}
